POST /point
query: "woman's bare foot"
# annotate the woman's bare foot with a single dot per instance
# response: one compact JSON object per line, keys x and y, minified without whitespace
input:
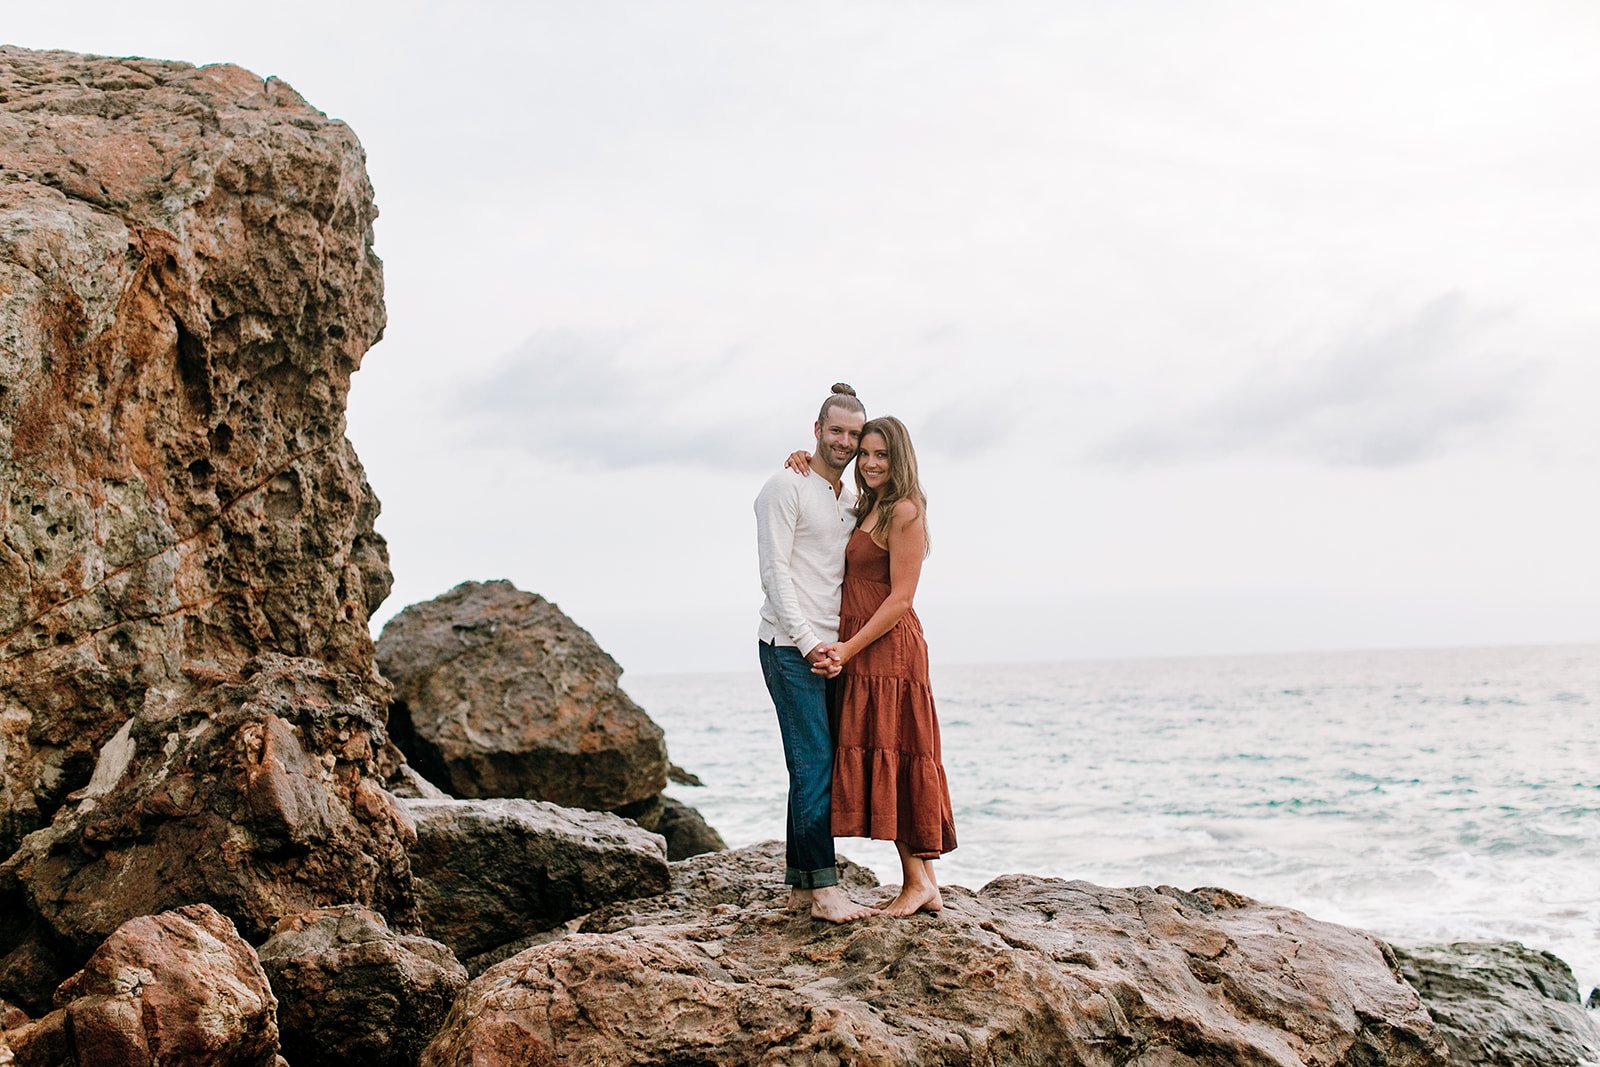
{"x":832,"y":905}
{"x":914,"y":898}
{"x":799,"y":900}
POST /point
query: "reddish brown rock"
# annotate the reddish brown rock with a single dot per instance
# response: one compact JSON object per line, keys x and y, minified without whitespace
{"x":352,"y":991}
{"x":251,"y":797}
{"x":167,"y":990}
{"x":11,"y":1018}
{"x":499,"y":694}
{"x":187,"y":554}
{"x":1027,"y":970}
{"x":187,"y":283}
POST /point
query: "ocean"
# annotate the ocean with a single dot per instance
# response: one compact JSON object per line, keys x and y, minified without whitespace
{"x":1426,"y":795}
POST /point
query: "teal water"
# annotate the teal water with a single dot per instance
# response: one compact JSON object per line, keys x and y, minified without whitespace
{"x":1424,"y":795}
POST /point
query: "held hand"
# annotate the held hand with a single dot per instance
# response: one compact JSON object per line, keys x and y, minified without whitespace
{"x":799,"y":461}
{"x":829,"y":659}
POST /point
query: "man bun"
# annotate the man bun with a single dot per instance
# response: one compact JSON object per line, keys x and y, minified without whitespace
{"x":843,"y":396}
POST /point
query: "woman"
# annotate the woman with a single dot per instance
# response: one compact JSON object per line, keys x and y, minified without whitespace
{"x":888,"y":782}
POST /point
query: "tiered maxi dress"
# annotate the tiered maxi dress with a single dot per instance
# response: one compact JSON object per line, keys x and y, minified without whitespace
{"x":888,"y":781}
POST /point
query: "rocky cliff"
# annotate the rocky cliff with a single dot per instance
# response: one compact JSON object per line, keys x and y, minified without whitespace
{"x":188,"y":705}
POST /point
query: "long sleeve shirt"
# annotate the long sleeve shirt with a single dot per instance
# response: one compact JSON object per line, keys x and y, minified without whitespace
{"x":801,"y":532}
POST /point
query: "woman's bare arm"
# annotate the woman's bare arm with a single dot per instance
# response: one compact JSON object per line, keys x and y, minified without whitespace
{"x":908,"y":542}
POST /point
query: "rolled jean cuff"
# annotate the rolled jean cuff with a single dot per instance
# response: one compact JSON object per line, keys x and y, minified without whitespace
{"x":811,"y":879}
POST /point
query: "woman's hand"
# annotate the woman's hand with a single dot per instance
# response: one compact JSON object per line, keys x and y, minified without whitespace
{"x":799,"y":461}
{"x":834,"y":657}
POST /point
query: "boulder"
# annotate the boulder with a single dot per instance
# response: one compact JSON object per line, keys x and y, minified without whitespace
{"x":164,"y":990}
{"x":350,"y":990}
{"x":491,"y":871}
{"x":679,"y":776}
{"x":686,"y":831}
{"x":187,"y":282}
{"x":499,"y":694}
{"x":252,"y":797}
{"x":1502,"y":1004}
{"x":188,"y":701}
{"x":1026,"y":970}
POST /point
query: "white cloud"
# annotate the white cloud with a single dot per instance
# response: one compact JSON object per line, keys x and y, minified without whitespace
{"x":1405,"y":392}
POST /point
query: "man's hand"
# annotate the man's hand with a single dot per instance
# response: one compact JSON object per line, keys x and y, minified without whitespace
{"x":824,"y":660}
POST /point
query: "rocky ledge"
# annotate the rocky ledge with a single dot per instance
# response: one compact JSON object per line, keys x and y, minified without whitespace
{"x":1024,"y":971}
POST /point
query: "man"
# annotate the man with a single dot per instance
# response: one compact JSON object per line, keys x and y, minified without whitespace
{"x":802,"y":525}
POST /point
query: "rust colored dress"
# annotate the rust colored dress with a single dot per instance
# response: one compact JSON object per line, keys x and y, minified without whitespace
{"x":888,"y":782}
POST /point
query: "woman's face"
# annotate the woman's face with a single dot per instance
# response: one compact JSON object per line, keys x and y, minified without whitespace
{"x":873,"y":461}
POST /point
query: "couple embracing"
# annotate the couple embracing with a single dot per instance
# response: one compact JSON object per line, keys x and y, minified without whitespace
{"x":844,"y":659}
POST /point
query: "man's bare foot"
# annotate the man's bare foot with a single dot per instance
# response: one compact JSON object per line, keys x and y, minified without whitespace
{"x":799,"y":900}
{"x":914,"y":898}
{"x":831,"y":903}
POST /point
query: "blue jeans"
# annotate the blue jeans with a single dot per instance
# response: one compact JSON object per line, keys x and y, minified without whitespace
{"x":802,"y":702}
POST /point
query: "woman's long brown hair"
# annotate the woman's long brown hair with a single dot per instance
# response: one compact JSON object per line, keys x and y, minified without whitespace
{"x":903,"y":482}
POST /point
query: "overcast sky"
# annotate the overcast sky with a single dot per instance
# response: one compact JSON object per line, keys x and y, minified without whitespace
{"x":1220,"y":327}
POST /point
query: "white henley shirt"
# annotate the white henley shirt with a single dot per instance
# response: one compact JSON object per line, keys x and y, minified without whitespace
{"x":801,"y":532}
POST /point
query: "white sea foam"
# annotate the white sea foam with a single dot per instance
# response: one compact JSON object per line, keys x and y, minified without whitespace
{"x":1425,"y":795}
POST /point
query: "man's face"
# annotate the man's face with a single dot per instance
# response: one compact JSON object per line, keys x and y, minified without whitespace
{"x":839,"y":434}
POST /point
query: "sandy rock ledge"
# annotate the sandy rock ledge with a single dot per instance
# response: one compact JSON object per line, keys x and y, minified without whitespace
{"x":1024,"y":971}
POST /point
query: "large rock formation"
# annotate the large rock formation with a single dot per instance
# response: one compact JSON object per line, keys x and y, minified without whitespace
{"x":1027,"y":970}
{"x":499,"y":694}
{"x":1502,"y":1004}
{"x":187,"y":557}
{"x":492,"y":871}
{"x":164,"y":990}
{"x":352,"y":991}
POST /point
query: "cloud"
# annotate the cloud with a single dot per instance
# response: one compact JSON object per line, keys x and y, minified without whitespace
{"x":611,"y":402}
{"x":1403,"y":393}
{"x":585,"y":400}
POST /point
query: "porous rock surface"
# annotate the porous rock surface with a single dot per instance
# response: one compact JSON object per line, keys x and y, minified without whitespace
{"x":1025,"y":971}
{"x":1502,"y":1004}
{"x":187,"y":555}
{"x":491,"y":871}
{"x":164,"y":990}
{"x":499,"y":694}
{"x":352,"y":991}
{"x":250,"y":797}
